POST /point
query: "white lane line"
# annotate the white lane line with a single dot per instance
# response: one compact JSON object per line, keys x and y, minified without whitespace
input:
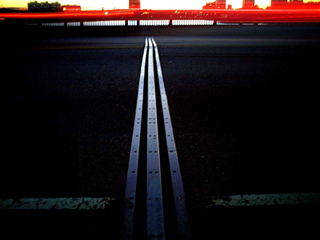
{"x":266,"y":199}
{"x":80,"y":203}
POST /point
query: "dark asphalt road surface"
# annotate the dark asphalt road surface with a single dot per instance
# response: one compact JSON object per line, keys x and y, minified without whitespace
{"x":244,"y":117}
{"x":69,"y":113}
{"x":243,"y":102}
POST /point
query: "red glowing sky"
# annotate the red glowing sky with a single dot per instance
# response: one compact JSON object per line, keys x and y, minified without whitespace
{"x":123,"y":4}
{"x":145,"y":4}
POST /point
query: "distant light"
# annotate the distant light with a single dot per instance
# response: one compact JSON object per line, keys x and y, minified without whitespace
{"x":106,"y":13}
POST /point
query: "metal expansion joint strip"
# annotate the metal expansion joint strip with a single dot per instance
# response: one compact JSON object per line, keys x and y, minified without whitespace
{"x":154,"y":195}
{"x":132,"y":174}
{"x":155,"y":218}
{"x":177,"y":184}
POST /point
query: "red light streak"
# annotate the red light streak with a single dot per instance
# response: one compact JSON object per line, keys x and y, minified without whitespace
{"x":240,"y":15}
{"x":58,"y":15}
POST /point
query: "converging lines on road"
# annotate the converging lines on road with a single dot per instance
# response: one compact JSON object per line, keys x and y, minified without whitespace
{"x":107,"y":159}
{"x":154,"y":184}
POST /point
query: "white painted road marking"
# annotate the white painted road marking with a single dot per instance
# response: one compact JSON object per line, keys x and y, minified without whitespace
{"x":80,"y":203}
{"x":88,"y":203}
{"x":266,"y":199}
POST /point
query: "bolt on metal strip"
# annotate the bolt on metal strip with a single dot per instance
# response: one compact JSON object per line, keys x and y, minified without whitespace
{"x":132,"y":174}
{"x":155,"y":217}
{"x":177,"y":184}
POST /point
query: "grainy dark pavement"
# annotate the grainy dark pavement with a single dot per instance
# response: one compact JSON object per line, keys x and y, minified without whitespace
{"x":243,"y":102}
{"x":244,"y":116}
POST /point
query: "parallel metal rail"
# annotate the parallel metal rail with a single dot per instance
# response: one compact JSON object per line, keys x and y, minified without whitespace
{"x":155,"y":210}
{"x":155,"y":218}
{"x":132,"y":175}
{"x":177,"y":184}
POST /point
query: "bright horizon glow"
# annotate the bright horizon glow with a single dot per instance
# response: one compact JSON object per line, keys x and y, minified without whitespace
{"x":124,"y":4}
